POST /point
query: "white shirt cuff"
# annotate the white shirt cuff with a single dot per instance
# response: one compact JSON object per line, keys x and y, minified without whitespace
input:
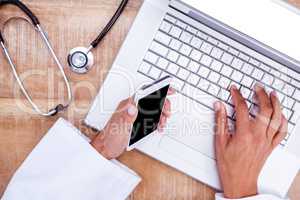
{"x":220,"y":196}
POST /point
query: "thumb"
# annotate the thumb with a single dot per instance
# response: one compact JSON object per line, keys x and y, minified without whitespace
{"x":131,"y":112}
{"x":221,"y":127}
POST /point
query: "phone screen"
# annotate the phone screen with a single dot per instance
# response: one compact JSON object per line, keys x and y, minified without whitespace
{"x":150,"y":109}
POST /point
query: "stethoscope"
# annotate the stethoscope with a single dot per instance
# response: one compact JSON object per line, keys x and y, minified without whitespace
{"x":37,"y":26}
{"x":81,"y":59}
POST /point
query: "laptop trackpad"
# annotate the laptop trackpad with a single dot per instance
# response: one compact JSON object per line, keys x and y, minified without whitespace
{"x":186,"y":154}
{"x":191,"y":125}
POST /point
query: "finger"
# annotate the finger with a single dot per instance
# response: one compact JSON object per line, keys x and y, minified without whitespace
{"x":162,"y":124}
{"x":282,"y":132}
{"x":241,"y":108}
{"x":130,"y":112}
{"x":276,"y":120}
{"x":221,"y":130}
{"x":171,"y":91}
{"x":123,"y":105}
{"x":167,"y":109}
{"x":265,"y":104}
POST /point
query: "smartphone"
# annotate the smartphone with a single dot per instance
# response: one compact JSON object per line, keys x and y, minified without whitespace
{"x":150,"y":100}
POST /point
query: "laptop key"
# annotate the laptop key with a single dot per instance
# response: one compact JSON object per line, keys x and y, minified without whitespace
{"x":193,"y":79}
{"x":257,"y":74}
{"x":151,"y":57}
{"x":173,"y":56}
{"x":203,"y":84}
{"x":227,"y":58}
{"x":192,"y":30}
{"x":297,"y":95}
{"x":214,"y":77}
{"x":162,"y":63}
{"x":183,"y":61}
{"x":166,"y":26}
{"x":203,"y":72}
{"x":247,"y":81}
{"x":224,"y":95}
{"x":154,"y":73}
{"x":176,"y":31}
{"x":185,"y":50}
{"x":224,"y":82}
{"x":217,"y":53}
{"x":194,"y":66}
{"x":145,"y":67}
{"x":247,"y":68}
{"x":216,"y":65}
{"x":237,"y":63}
{"x":226,"y":71}
{"x":233,"y":51}
{"x":288,"y":90}
{"x":206,"y":60}
{"x":214,"y":89}
{"x":196,"y":55}
{"x":199,"y":95}
{"x":181,"y":24}
{"x":288,"y":102}
{"x":206,"y":47}
{"x":237,"y":76}
{"x":177,"y":84}
{"x":186,"y":37}
{"x":287,"y":113}
{"x":171,"y":19}
{"x":173,"y":68}
{"x":175,"y":44}
{"x":254,"y":62}
{"x":245,"y":92}
{"x":163,"y":38}
{"x":183,"y":73}
{"x":160,"y":49}
{"x":268,"y":79}
{"x":196,"y":42}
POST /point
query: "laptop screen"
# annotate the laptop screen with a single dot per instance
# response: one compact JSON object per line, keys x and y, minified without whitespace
{"x":265,"y":20}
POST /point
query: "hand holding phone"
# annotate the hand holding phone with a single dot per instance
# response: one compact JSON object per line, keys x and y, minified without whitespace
{"x":150,"y":101}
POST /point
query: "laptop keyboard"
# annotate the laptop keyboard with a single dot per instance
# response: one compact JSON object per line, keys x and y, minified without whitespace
{"x":203,"y":65}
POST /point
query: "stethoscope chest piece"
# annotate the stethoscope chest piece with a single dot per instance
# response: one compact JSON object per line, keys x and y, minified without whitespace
{"x":80,"y":60}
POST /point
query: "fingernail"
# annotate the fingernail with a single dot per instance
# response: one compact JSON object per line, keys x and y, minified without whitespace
{"x":274,"y":93}
{"x":257,"y":87}
{"x":234,"y":87}
{"x":217,"y":106}
{"x":132,"y":110}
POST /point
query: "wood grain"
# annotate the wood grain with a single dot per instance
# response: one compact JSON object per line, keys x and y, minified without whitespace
{"x":72,"y":23}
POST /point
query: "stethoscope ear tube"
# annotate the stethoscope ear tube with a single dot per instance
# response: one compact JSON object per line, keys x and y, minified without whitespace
{"x":110,"y":24}
{"x":23,"y":7}
{"x":36,"y":23}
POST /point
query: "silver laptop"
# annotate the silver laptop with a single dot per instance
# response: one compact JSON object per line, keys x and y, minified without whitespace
{"x":206,"y":46}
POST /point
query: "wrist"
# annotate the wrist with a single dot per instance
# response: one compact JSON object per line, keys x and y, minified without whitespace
{"x":238,"y":191}
{"x":98,"y":143}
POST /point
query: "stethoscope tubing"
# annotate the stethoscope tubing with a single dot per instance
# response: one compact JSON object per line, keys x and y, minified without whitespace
{"x":110,"y":24}
{"x":37,"y":26}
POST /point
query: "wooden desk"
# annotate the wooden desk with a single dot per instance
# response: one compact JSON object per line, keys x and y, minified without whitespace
{"x":71,"y":23}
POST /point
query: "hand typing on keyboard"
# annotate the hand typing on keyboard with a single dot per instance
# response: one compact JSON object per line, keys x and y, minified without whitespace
{"x":242,"y":154}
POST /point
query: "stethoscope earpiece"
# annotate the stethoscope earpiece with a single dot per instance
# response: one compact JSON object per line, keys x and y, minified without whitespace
{"x":81,"y":60}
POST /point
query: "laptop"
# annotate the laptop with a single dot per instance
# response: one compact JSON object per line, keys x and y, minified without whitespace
{"x":206,"y":46}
